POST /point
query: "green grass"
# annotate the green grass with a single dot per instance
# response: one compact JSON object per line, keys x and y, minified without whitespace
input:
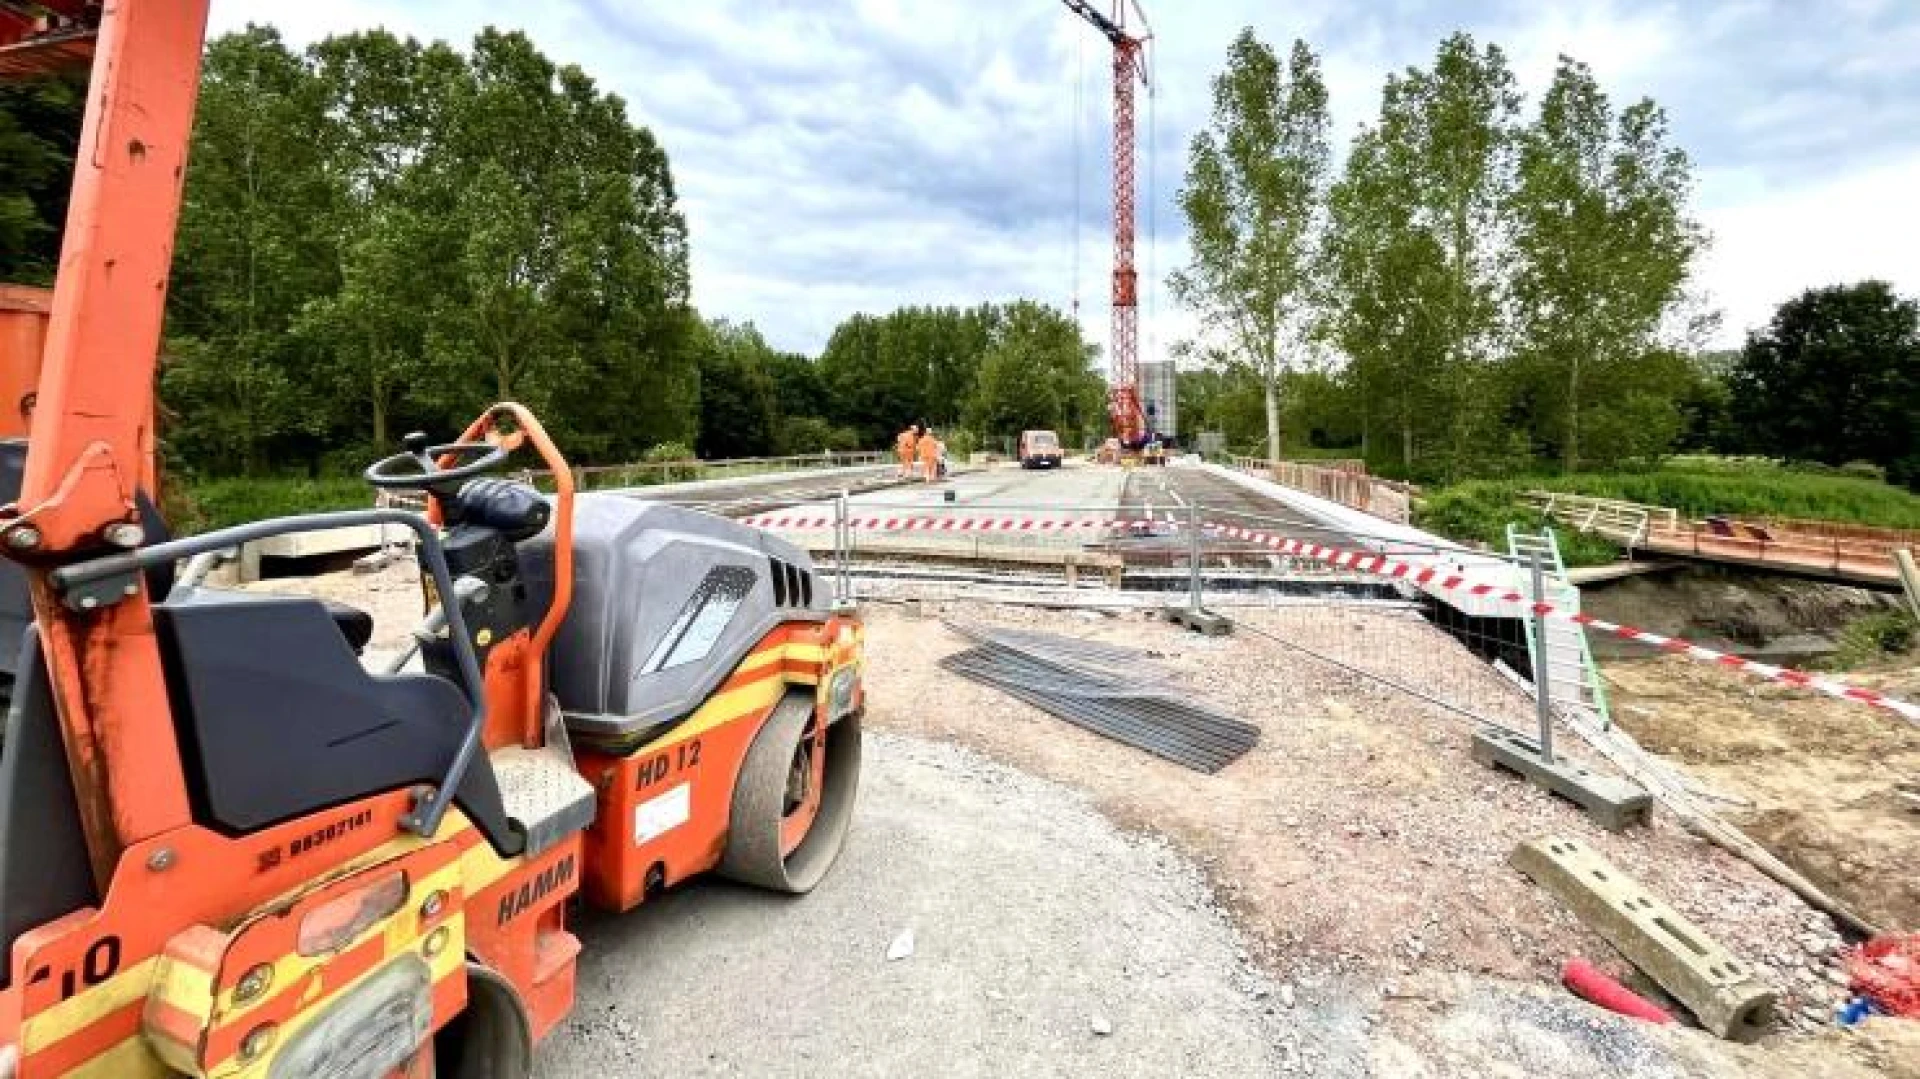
{"x":1479,"y":510}
{"x":1754,"y":491}
{"x":203,"y":505}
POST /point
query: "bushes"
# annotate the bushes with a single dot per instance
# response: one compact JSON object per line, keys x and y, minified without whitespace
{"x":810,"y":434}
{"x":1874,"y":637}
{"x":203,"y":505}
{"x":1479,"y":511}
{"x":1754,"y":491}
{"x":961,"y":443}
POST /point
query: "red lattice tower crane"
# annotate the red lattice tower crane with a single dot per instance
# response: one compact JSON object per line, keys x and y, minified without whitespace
{"x":1129,"y":55}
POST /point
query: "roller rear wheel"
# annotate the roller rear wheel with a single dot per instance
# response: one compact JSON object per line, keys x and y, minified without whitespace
{"x":793,"y":800}
{"x":491,"y":1039}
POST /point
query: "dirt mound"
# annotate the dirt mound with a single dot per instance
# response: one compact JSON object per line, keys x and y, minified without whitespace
{"x":1735,"y":608}
{"x":1817,"y":775}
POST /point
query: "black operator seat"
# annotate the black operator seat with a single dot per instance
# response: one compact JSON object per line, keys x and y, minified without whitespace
{"x":354,"y":624}
{"x":278,"y":719}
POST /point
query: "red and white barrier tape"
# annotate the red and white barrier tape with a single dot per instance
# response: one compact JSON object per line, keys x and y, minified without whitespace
{"x":1360,"y":561}
{"x":814,"y":522}
{"x":1429,"y":576}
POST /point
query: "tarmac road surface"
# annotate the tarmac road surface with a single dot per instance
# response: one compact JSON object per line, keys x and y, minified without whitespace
{"x":1037,"y":924}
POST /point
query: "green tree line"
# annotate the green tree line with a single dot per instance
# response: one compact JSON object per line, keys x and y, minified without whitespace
{"x":379,"y":235}
{"x":1473,"y":291}
{"x":979,"y":375}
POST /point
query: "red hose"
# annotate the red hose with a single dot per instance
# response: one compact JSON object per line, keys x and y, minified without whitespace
{"x":1590,"y":983}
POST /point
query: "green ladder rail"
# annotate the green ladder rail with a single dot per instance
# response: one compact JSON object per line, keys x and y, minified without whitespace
{"x":1571,"y":672}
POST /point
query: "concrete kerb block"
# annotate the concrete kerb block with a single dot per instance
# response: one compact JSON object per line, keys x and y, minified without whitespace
{"x":1614,"y":804}
{"x":1203,"y":622}
{"x":1720,"y":990}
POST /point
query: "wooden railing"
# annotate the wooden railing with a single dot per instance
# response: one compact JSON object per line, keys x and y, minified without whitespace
{"x":1626,"y":523}
{"x":649,"y":473}
{"x":1734,"y":541}
{"x":1865,"y":535}
{"x":1855,"y":552}
{"x":1348,"y":485}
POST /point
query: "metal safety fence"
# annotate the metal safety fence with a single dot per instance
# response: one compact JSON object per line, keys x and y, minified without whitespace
{"x":1392,"y":633}
{"x":1470,"y":631}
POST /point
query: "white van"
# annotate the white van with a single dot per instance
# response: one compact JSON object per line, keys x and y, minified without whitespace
{"x":1039,"y":449}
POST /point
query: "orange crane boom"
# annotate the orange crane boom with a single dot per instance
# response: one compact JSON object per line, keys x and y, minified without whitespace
{"x":1129,"y":55}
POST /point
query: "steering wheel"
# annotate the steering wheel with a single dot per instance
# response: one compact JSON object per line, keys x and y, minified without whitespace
{"x":418,"y":467}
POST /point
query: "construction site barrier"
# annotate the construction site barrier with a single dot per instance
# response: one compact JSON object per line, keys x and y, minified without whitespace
{"x":1429,"y":576}
{"x":1452,"y":580}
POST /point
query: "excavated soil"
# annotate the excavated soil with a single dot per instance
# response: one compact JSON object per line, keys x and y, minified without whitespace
{"x":1819,"y":777}
{"x":1732,"y":610}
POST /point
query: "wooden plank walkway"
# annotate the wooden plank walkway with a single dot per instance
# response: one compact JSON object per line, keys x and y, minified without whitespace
{"x":1825,"y":558}
{"x":1614,"y":571}
{"x":1851,"y":554}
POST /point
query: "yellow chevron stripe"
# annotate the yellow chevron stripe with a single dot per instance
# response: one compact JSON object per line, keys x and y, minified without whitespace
{"x":756,"y":660}
{"x":725,"y":708}
{"x":68,"y":1017}
{"x":451,"y":958}
{"x":291,"y":968}
{"x":84,"y":1009}
{"x":127,"y":1060}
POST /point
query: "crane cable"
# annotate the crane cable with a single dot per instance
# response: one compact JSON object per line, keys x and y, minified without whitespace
{"x":1153,"y":236}
{"x":1079,"y":119}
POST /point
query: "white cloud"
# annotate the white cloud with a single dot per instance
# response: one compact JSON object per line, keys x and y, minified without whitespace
{"x":1770,"y":246}
{"x":835,"y":157}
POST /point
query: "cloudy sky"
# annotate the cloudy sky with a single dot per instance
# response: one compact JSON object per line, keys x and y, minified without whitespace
{"x":836,"y":156}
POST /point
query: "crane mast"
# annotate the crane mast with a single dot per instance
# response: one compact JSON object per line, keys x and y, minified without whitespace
{"x":1123,"y":395}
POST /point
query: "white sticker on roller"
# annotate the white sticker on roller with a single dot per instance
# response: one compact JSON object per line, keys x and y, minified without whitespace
{"x":662,"y":813}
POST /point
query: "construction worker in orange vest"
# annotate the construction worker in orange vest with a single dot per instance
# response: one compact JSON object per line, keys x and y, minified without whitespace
{"x":929,"y":448}
{"x":905,"y":445}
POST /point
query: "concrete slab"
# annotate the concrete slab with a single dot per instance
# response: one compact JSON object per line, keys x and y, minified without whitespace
{"x":1719,"y":989}
{"x":1614,"y":804}
{"x":1354,"y":529}
{"x":1614,"y":571}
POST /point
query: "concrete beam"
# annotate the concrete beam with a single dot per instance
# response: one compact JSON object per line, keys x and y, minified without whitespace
{"x":1720,"y":990}
{"x":1206,"y":623}
{"x":1613,"y":804}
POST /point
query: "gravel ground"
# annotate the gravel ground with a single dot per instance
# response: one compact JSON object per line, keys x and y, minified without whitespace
{"x":1036,"y":924}
{"x":1358,"y":844}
